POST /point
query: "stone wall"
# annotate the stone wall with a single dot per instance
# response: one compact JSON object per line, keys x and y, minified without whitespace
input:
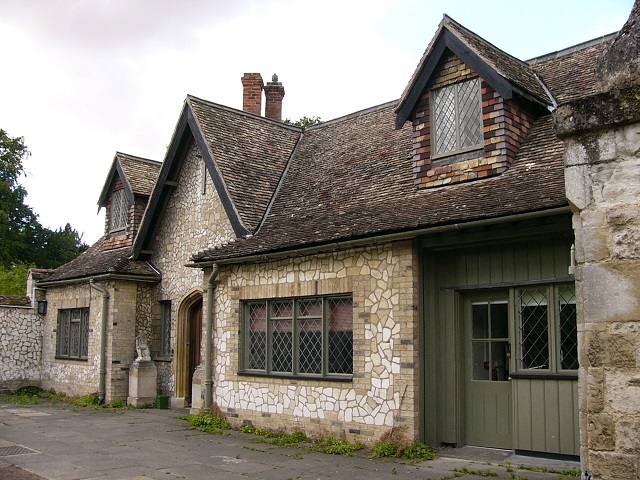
{"x":73,"y":377}
{"x":383,"y":393}
{"x":192,"y":221}
{"x":20,"y":347}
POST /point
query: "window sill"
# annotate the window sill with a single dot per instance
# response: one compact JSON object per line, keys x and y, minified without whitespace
{"x":457,"y":156}
{"x":161,"y":358}
{"x":336,"y":378}
{"x":544,"y":376}
{"x":71,"y":359}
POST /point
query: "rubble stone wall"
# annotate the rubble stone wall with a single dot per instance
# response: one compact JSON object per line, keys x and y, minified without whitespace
{"x":20,"y":347}
{"x":384,"y":390}
{"x":192,"y":221}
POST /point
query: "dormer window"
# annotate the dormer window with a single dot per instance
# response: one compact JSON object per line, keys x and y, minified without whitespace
{"x":119,"y":210}
{"x":457,"y":118}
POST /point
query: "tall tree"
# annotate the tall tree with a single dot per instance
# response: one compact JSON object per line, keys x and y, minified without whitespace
{"x":22,"y":239}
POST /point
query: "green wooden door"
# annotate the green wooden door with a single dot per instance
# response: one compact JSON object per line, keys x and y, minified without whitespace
{"x":488,"y":402}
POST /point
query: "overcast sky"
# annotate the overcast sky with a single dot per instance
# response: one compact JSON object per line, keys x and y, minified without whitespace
{"x":82,"y":79}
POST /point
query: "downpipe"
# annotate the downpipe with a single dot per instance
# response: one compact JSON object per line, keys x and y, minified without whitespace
{"x":208,"y":375}
{"x":103,"y":340}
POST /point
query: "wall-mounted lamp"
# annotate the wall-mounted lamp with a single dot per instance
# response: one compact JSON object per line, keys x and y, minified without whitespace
{"x":42,"y":307}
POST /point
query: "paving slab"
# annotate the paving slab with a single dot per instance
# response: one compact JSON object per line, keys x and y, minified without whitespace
{"x":61,"y":442}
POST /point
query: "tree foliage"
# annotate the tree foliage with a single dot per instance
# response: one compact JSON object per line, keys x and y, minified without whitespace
{"x":23,"y":240}
{"x":304,"y":122}
{"x":13,"y":280}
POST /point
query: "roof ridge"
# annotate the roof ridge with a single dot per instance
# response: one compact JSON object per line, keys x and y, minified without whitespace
{"x":482,"y":39}
{"x":352,"y":115}
{"x":135,"y":157}
{"x":241,"y":112}
{"x":572,"y":49}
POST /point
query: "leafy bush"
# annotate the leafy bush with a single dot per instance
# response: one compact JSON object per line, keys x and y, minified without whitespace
{"x":418,"y":451}
{"x":385,"y":449}
{"x":334,"y":446}
{"x":86,"y":401}
{"x":118,"y":404}
{"x":208,"y":423}
{"x":291,"y":439}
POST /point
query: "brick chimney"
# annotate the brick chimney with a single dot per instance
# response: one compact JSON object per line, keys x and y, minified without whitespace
{"x":274,"y":92}
{"x":252,"y":93}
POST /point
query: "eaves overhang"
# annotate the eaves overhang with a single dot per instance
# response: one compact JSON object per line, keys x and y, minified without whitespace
{"x":445,"y":39}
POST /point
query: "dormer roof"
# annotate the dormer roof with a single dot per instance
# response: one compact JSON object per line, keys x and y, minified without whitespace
{"x":506,"y":74}
{"x":138,"y":175}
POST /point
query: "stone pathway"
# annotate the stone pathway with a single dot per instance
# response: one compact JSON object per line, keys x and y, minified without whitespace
{"x":67,"y":443}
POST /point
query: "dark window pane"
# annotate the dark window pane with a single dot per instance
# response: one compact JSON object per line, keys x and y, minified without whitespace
{"x":499,"y":361}
{"x":257,"y":340}
{"x":500,"y":320}
{"x":534,"y":331}
{"x":480,"y":320}
{"x":340,"y":335}
{"x":480,"y":358}
{"x":84,"y":349}
{"x":282,"y":345}
{"x":568,"y":329}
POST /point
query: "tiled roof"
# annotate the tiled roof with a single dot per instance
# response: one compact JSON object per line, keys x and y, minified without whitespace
{"x":514,"y":70}
{"x":352,"y":178}
{"x":141,"y":173}
{"x":40,"y":273}
{"x":250,"y":153}
{"x":14,"y":301}
{"x":570,"y":74}
{"x":97,"y":261}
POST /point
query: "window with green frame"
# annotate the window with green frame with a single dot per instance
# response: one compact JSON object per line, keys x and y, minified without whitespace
{"x":72,"y":339}
{"x":310,"y":336}
{"x":165,"y":329}
{"x":547,"y":328}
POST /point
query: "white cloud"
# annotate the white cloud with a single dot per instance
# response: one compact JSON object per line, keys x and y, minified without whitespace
{"x":84,"y":79}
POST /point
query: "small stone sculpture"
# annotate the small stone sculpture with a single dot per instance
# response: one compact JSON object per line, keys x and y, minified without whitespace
{"x":142,"y":349}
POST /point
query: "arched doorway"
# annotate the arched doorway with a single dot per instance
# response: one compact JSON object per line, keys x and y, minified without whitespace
{"x":188,"y":344}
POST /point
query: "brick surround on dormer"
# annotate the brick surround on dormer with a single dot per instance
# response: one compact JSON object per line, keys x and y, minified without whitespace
{"x":124,"y":238}
{"x":505,"y":126}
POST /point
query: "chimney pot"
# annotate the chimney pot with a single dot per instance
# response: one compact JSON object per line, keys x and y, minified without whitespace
{"x":274,"y":93}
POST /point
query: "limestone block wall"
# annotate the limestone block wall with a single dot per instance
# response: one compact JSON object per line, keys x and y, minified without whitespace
{"x":383,"y":393}
{"x":193,"y":220}
{"x":73,"y":377}
{"x":121,"y":348}
{"x":20,"y":347}
{"x":603,"y":185}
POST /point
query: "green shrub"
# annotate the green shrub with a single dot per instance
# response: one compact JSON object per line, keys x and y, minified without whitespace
{"x":385,"y":449}
{"x":118,"y":404}
{"x":291,"y":439}
{"x":86,"y":401}
{"x":207,"y":423}
{"x":418,"y":451}
{"x":333,"y":446}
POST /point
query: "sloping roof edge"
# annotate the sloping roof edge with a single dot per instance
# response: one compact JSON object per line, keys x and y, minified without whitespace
{"x":186,"y":129}
{"x":115,"y":168}
{"x":446,"y":37}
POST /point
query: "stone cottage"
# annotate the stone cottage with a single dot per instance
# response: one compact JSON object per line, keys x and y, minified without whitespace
{"x":409,"y":266}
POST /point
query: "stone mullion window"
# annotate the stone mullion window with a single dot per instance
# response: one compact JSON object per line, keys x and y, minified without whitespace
{"x":311,"y":336}
{"x":72,"y":339}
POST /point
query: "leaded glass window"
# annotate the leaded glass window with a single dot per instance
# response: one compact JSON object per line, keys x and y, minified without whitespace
{"x":72,"y":339}
{"x":457,"y":117}
{"x":301,"y":336}
{"x":165,"y":329}
{"x":547,"y":327}
{"x":119,"y":210}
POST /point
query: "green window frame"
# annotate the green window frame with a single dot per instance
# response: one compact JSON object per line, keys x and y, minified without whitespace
{"x":165,"y":329}
{"x":547,"y":328}
{"x":456,"y":115}
{"x":300,"y":337}
{"x":72,"y":334}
